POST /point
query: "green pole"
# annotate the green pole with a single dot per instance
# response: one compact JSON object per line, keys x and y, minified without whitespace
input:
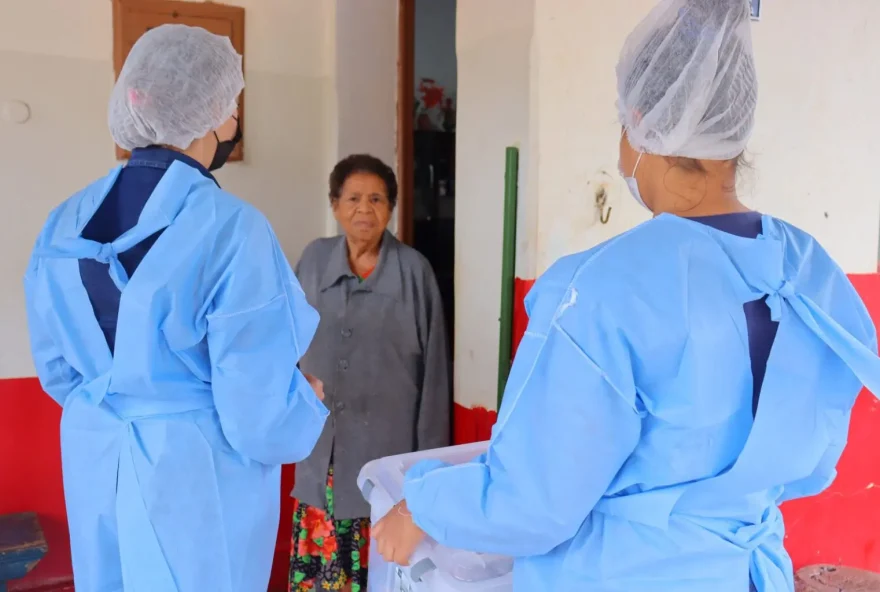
{"x":508,"y":261}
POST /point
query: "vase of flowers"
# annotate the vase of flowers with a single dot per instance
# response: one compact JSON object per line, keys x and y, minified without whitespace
{"x":433,"y":110}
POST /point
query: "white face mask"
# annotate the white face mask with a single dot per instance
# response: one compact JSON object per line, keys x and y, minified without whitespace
{"x":633,"y":184}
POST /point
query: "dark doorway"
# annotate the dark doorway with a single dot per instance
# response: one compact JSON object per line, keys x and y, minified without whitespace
{"x":426,"y":138}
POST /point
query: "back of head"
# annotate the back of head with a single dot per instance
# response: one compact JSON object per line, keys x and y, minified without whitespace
{"x":178,"y":84}
{"x":686,"y":80}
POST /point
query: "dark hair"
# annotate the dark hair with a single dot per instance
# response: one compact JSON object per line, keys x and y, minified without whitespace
{"x":692,"y":165}
{"x":362,"y":163}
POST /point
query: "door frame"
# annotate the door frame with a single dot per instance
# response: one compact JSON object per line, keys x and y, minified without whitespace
{"x":406,"y":25}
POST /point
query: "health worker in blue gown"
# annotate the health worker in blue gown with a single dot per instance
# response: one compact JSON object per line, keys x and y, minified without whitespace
{"x":165,"y":320}
{"x":675,"y":384}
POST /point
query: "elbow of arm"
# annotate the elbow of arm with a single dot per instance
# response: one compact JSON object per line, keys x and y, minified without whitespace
{"x":245,"y":445}
{"x":554,"y":538}
{"x":273,"y":449}
{"x":272,"y":435}
{"x":544,"y":529}
{"x":305,"y":439}
{"x":243,"y":438}
{"x":59,"y":385}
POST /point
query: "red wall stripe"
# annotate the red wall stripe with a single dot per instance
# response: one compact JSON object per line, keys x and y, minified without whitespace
{"x":281,"y":564}
{"x":841,"y":526}
{"x":520,"y":318}
{"x":472,"y":424}
{"x":30,"y":471}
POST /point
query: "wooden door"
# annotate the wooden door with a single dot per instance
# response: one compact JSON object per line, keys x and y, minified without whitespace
{"x":406,"y":25}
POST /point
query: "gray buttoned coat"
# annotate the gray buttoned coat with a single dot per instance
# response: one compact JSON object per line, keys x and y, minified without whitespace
{"x":381,"y":351}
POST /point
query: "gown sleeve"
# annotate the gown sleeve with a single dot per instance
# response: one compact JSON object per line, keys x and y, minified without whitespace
{"x":259,"y":326}
{"x":567,"y":424}
{"x":57,"y":377}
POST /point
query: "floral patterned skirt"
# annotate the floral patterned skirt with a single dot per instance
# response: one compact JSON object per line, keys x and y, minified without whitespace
{"x":328,"y":554}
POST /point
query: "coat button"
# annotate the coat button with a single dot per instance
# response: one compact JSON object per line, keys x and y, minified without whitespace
{"x":339,"y":406}
{"x":343,"y":365}
{"x":346,"y":332}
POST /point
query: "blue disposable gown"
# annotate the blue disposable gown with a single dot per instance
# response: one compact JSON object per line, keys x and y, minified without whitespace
{"x":171,"y":446}
{"x":626,"y":457}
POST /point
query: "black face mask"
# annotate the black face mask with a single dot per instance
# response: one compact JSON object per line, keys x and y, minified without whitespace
{"x":225,"y":148}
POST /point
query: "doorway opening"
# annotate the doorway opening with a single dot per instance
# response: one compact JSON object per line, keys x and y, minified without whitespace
{"x":427,"y":80}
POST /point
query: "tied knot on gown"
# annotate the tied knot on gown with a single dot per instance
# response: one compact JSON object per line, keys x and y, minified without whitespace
{"x":750,"y":537}
{"x":107,"y":254}
{"x":81,"y":248}
{"x":776,"y":298}
{"x":761,"y":265}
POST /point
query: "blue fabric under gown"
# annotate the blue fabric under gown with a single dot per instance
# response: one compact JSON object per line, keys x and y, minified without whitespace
{"x":118,"y":213}
{"x":172,"y":442}
{"x":626,"y":456}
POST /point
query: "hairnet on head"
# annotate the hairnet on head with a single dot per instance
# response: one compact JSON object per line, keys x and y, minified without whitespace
{"x":686,"y":80}
{"x":178,"y":83}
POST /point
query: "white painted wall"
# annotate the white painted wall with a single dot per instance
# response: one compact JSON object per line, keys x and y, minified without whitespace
{"x":435,"y":43}
{"x":576,"y":49}
{"x":366,"y":77}
{"x":818,"y":135}
{"x":493,"y":45}
{"x":364,"y":57}
{"x":56,"y":55}
{"x":816,"y":140}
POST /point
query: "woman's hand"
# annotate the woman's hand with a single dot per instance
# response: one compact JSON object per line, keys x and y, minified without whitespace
{"x":316,"y":385}
{"x":397,"y":535}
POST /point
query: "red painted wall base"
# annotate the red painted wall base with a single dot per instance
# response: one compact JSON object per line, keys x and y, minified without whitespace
{"x":472,"y":424}
{"x":281,"y":564}
{"x":30,"y":472}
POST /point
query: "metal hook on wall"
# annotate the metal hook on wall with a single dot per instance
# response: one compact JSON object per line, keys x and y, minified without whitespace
{"x":601,"y":201}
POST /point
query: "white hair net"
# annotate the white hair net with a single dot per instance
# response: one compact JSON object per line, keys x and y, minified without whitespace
{"x":178,"y":84}
{"x":686,"y":80}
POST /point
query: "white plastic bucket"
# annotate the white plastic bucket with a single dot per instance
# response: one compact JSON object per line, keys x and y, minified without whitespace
{"x":433,"y":567}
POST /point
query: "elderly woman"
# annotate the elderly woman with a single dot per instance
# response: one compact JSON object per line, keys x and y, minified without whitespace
{"x":676,"y":383}
{"x":166,"y":321}
{"x":381,"y":351}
